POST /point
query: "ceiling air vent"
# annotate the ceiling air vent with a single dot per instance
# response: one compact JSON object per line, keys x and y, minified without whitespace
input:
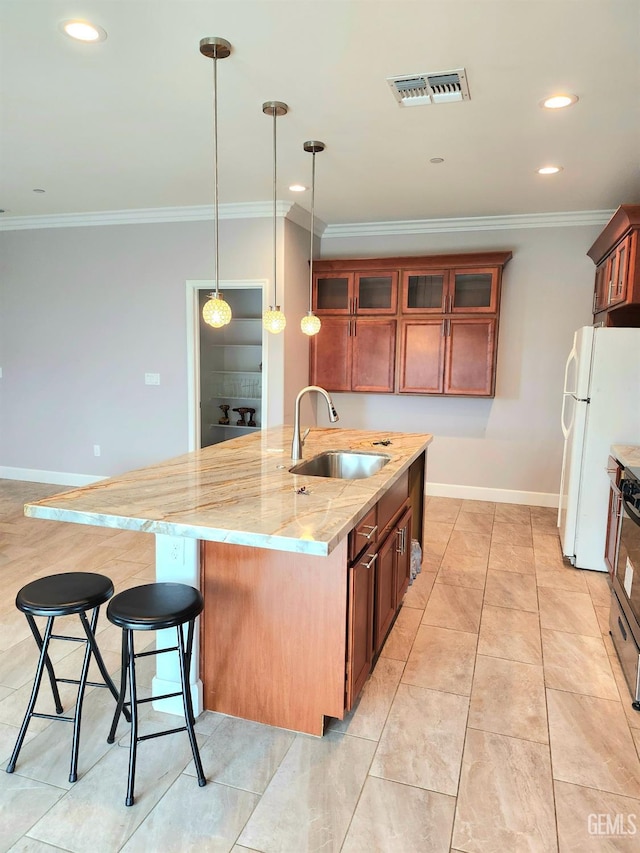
{"x":434,"y":87}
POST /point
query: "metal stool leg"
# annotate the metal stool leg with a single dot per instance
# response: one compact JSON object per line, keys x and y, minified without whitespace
{"x":90,"y":631}
{"x":124,"y":664}
{"x":133,"y":748}
{"x":75,"y":743}
{"x":185,"y":664}
{"x":47,"y":660}
{"x":42,"y":661}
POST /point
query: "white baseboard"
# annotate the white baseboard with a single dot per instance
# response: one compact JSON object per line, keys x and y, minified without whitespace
{"x":443,"y":490}
{"x":56,"y":478}
{"x":480,"y":493}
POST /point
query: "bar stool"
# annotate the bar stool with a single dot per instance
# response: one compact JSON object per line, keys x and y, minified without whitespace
{"x":151,"y":607}
{"x":63,"y":595}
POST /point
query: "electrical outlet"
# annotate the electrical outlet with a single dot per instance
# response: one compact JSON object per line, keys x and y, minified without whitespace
{"x":176,"y":551}
{"x":152,"y":379}
{"x":96,"y":450}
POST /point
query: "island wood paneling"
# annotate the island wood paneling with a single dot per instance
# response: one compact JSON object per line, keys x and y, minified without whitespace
{"x":274,"y":635}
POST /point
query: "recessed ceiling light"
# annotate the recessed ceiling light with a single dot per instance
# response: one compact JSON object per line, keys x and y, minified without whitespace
{"x":83,"y":31}
{"x":297,"y":188}
{"x":549,"y":170}
{"x":557,"y":102}
{"x":437,"y":160}
{"x":39,"y":191}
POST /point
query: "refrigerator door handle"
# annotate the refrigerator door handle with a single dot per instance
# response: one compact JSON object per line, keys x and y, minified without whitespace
{"x":572,"y":358}
{"x":566,"y":428}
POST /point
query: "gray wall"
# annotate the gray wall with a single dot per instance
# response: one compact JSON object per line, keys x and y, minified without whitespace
{"x":85,"y":313}
{"x":512,"y":442}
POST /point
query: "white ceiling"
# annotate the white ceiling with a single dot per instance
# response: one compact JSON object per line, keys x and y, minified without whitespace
{"x":127,"y":123}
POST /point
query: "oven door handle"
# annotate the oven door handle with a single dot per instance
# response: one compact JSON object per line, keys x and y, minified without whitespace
{"x":631,"y":511}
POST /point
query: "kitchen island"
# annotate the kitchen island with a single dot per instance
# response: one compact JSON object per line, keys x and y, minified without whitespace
{"x":275,"y":556}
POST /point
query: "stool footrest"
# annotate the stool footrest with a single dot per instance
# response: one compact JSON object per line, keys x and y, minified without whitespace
{"x":70,"y":639}
{"x":156,"y":652}
{"x":76,"y":681}
{"x":159,"y":734}
{"x":52,"y":717}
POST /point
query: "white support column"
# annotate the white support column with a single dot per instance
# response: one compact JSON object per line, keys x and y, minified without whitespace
{"x":177,"y":561}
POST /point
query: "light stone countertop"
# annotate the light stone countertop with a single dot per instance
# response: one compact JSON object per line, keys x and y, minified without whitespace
{"x":627,"y":454}
{"x":241,"y":492}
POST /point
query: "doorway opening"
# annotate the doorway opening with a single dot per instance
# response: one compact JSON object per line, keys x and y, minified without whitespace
{"x":228,"y":365}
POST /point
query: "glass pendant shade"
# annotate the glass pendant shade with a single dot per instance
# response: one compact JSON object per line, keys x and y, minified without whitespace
{"x":310,"y":324}
{"x":216,"y":312}
{"x":274,"y":320}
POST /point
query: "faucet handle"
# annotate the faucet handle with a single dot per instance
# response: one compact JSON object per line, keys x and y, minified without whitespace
{"x":305,"y":434}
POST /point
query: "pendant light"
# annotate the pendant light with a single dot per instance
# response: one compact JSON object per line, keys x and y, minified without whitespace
{"x":274,"y":320}
{"x":310,"y":324}
{"x":216,"y":312}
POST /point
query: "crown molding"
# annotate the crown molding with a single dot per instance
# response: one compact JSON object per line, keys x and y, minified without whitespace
{"x":145,"y":216}
{"x":298,"y":215}
{"x":470,"y":223}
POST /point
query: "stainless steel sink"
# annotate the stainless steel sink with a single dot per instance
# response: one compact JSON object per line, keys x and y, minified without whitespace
{"x":342,"y":464}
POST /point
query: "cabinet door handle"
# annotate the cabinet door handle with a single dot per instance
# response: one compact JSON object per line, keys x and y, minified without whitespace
{"x":443,"y":333}
{"x":355,"y":304}
{"x":402,"y":533}
{"x":450,"y":300}
{"x":372,"y":559}
{"x":373,"y":529}
{"x":355,"y":328}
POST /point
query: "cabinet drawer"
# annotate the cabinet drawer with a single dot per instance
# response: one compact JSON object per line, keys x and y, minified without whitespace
{"x":391,"y":503}
{"x":364,"y":534}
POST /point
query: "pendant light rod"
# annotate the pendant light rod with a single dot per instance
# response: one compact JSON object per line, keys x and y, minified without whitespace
{"x":312,"y":147}
{"x":274,"y":320}
{"x":215,"y":48}
{"x":275,"y":109}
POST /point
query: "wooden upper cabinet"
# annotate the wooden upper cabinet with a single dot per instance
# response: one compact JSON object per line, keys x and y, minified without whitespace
{"x":421,"y":363}
{"x":453,"y":356}
{"x":616,"y":253}
{"x":469,"y":357}
{"x":456,"y":291}
{"x":373,"y":355}
{"x":354,"y":354}
{"x":373,"y":292}
{"x":423,"y":325}
{"x":331,"y":354}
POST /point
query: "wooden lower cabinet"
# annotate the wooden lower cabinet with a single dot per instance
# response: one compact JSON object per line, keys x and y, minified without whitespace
{"x":385,"y":592}
{"x":360,"y":631}
{"x":289,"y":639}
{"x":614,"y":517}
{"x":450,"y":356}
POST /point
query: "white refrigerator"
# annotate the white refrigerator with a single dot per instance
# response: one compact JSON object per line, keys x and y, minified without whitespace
{"x":600,"y":407}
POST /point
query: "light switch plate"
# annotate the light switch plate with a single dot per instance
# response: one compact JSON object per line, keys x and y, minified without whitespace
{"x":152,"y":379}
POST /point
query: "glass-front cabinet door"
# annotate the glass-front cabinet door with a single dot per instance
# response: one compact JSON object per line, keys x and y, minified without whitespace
{"x":375,"y":293}
{"x":473,"y":291}
{"x":356,"y":293}
{"x":423,"y":291}
{"x":333,"y":293}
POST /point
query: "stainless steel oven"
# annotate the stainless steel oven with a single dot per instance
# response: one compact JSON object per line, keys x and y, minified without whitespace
{"x":624,"y":621}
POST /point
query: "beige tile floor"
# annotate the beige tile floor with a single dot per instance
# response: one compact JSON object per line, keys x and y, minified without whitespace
{"x":497,"y":718}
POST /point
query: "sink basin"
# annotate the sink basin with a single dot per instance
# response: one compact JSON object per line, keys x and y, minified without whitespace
{"x":342,"y":464}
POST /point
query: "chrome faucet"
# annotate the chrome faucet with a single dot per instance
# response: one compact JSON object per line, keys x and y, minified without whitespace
{"x":296,"y":444}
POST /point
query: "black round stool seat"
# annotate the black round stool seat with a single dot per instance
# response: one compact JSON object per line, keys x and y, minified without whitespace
{"x":155,"y":605}
{"x":60,"y":595}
